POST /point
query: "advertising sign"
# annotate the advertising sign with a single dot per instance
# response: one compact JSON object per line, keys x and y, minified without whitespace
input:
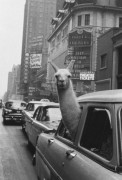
{"x":36,"y":44}
{"x":87,"y":76}
{"x":35,"y":60}
{"x":79,"y":46}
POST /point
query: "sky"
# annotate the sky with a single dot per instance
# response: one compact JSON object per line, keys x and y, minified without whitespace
{"x":11,"y":32}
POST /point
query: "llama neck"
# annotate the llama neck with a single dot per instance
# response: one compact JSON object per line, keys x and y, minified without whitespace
{"x":67,"y":96}
{"x":69,"y":108}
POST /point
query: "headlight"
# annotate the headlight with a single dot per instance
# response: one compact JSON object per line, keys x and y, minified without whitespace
{"x":8,"y":111}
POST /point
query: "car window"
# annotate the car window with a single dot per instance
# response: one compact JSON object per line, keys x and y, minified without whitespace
{"x":63,"y":132}
{"x":36,"y":113}
{"x":30,"y":107}
{"x":40,"y":112}
{"x":23,"y":104}
{"x":8,"y":105}
{"x":98,"y":134}
{"x":51,"y":114}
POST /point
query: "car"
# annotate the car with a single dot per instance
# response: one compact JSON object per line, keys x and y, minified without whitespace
{"x":12,"y":111}
{"x":29,"y":110}
{"x":45,"y":100}
{"x":46,"y":117}
{"x":96,"y":151}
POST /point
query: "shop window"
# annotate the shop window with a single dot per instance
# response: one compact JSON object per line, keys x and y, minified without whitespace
{"x":87,"y":19}
{"x":103,"y":61}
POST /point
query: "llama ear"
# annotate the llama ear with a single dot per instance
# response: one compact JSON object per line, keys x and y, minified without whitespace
{"x":70,"y":66}
{"x":54,"y":66}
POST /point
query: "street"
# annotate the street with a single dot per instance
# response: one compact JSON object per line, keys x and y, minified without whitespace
{"x":15,"y":156}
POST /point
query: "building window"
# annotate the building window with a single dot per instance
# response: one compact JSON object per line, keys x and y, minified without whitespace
{"x":59,"y":37}
{"x":79,"y":20}
{"x":65,"y":31}
{"x":103,"y":61}
{"x":120,"y":22}
{"x":53,"y":43}
{"x":87,"y":19}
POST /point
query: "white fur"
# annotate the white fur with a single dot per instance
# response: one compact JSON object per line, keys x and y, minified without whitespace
{"x":69,"y":106}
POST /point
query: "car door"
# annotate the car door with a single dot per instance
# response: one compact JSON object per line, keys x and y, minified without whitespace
{"x":54,"y":152}
{"x":35,"y":126}
{"x":93,"y":157}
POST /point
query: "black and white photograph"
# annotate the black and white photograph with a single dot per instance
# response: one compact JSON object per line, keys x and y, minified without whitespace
{"x":61,"y":89}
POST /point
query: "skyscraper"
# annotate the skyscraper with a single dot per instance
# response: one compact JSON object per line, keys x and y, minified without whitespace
{"x":36,"y":28}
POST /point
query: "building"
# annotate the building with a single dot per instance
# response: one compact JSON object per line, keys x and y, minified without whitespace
{"x":75,"y":31}
{"x":36,"y":28}
{"x":109,"y":60}
{"x":13,"y":87}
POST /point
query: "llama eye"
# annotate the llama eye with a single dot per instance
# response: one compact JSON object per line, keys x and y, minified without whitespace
{"x":69,"y":76}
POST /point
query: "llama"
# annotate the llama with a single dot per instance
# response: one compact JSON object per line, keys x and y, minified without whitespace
{"x":69,"y":106}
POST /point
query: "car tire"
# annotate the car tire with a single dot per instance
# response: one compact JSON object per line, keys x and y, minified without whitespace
{"x":38,"y":178}
{"x":23,"y":127}
{"x":29,"y":143}
{"x":4,"y":121}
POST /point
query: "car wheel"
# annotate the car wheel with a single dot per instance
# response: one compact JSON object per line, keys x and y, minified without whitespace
{"x":4,"y":121}
{"x":29,"y":143}
{"x":34,"y":160}
{"x":38,"y":178}
{"x":23,"y":127}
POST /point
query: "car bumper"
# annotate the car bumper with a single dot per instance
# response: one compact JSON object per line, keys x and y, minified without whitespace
{"x":13,"y":117}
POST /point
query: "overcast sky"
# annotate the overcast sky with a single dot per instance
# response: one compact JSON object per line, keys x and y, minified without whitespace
{"x":11,"y":29}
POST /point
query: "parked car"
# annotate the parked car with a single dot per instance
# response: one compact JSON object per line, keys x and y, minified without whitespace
{"x":45,"y":100}
{"x":12,"y":111}
{"x":95,"y":153}
{"x":30,"y":108}
{"x":46,"y":117}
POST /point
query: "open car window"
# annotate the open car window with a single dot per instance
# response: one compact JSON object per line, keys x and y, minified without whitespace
{"x":98,"y":133}
{"x":64,"y":132}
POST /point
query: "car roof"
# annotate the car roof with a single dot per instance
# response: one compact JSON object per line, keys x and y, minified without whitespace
{"x":21,"y":101}
{"x":102,"y":96}
{"x":49,"y":104}
{"x":35,"y":102}
{"x":42,"y":102}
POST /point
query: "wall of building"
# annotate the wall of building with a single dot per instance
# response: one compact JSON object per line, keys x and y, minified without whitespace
{"x":106,"y":2}
{"x":105,"y":47}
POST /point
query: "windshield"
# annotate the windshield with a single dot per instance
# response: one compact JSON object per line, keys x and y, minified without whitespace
{"x":11,"y":104}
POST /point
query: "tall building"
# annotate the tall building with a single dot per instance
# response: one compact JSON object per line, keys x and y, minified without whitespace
{"x":76,"y":29}
{"x":13,"y":89}
{"x":36,"y":28}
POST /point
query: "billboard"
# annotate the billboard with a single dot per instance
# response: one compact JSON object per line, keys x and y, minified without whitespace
{"x":79,"y":48}
{"x":35,"y":61}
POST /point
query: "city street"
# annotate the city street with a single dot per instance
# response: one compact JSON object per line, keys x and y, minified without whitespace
{"x":15,"y":156}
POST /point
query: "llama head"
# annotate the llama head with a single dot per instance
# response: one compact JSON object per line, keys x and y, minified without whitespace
{"x":63,"y":75}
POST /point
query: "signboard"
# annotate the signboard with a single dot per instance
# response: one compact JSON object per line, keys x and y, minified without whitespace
{"x":36,"y":44}
{"x":85,"y":1}
{"x":87,"y":76}
{"x":31,"y":90}
{"x":79,"y":37}
{"x":35,"y":60}
{"x":79,"y":46}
